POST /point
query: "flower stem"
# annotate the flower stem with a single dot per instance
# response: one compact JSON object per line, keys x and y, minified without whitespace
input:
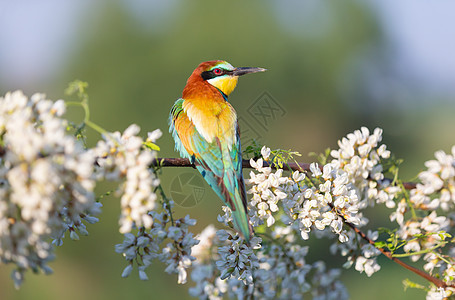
{"x":185,"y":162}
{"x":419,"y":252}
{"x":79,"y":87}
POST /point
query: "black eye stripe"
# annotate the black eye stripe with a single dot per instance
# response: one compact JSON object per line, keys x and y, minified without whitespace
{"x":206,"y":75}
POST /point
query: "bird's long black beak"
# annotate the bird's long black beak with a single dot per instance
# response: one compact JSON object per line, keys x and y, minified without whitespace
{"x":246,"y":70}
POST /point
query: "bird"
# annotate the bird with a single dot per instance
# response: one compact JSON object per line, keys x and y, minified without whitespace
{"x":205,"y":129}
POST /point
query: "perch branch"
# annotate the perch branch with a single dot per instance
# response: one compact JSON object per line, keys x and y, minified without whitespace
{"x":291,"y":166}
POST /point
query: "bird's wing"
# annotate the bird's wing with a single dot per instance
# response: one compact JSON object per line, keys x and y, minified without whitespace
{"x":177,"y":129}
{"x":219,"y":162}
{"x":236,"y":157}
{"x":191,"y":144}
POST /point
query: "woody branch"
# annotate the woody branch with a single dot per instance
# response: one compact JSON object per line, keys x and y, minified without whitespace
{"x":291,"y":166}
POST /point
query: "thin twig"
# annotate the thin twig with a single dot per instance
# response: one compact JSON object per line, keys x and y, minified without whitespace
{"x":291,"y":166}
{"x":436,"y":281}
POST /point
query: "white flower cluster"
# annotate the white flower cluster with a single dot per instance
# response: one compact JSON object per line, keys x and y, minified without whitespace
{"x":284,"y":272}
{"x":316,"y":206}
{"x":203,"y":250}
{"x":360,"y":156}
{"x":204,"y":272}
{"x":436,"y":293}
{"x":208,"y":283}
{"x":363,"y":258}
{"x":236,"y":257}
{"x":431,"y":227}
{"x":422,"y":216}
{"x":279,"y":271}
{"x":329,"y":196}
{"x":47,"y":179}
{"x":325,"y":283}
{"x":444,"y":266}
{"x":268,"y":189}
{"x":439,"y":179}
{"x":177,"y":254}
{"x":46,"y":182}
{"x":324,"y":205}
{"x":320,"y":201}
{"x":146,"y":245}
{"x":123,"y":157}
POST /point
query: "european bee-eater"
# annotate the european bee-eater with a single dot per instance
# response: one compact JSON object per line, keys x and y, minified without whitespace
{"x":205,"y":129}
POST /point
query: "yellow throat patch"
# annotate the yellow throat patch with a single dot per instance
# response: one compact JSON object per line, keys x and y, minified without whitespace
{"x":226,"y":83}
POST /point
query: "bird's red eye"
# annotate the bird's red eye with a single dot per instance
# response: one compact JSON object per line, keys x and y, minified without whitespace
{"x":217,"y":71}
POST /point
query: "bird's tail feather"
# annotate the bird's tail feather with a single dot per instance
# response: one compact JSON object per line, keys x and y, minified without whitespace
{"x":237,"y":200}
{"x":231,"y":190}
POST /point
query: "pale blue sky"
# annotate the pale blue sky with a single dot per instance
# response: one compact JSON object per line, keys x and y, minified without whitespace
{"x":38,"y":37}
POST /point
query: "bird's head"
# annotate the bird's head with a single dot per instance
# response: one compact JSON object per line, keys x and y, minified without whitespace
{"x":222,"y":74}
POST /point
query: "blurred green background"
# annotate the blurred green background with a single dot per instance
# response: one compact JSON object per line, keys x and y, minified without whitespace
{"x":333,"y":67}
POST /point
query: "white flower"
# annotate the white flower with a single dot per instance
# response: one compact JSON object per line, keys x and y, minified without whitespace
{"x":46,"y":180}
{"x":127,"y":271}
{"x":142,"y":274}
{"x":122,"y":157}
{"x":202,"y":251}
{"x":146,"y":245}
{"x":325,"y":284}
{"x":237,"y":258}
{"x":177,"y":255}
{"x":297,"y":176}
{"x":154,"y":135}
{"x":265,"y":152}
{"x":206,"y":285}
{"x":314,"y":168}
{"x":268,"y":190}
{"x":440,"y":176}
{"x":370,"y":266}
{"x":360,"y":157}
{"x":438,"y":294}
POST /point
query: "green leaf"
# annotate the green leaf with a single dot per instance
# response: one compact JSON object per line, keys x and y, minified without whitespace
{"x":152,"y":146}
{"x":380,"y":244}
{"x":254,"y":149}
{"x":79,"y":87}
{"x":385,"y":230}
{"x":322,"y":158}
{"x":410,"y":284}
